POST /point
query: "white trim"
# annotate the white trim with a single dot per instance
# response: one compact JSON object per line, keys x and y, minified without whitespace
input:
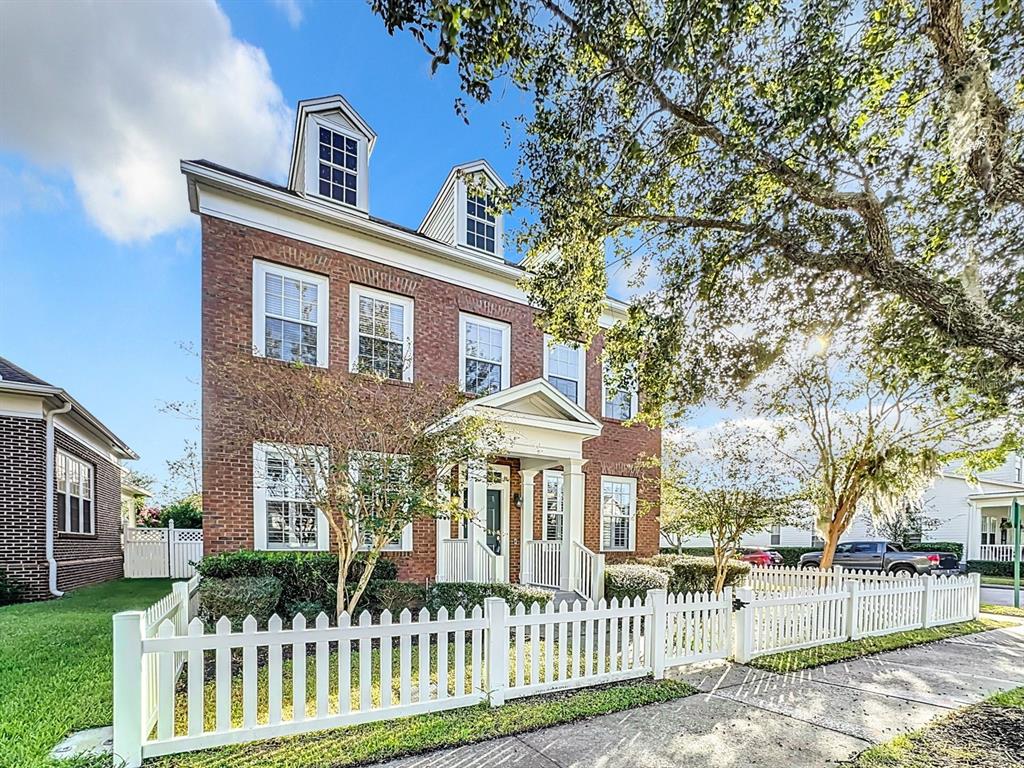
{"x":260,"y":269}
{"x":320,"y":106}
{"x":461,"y":219}
{"x":312,"y":158}
{"x":578,"y":422}
{"x":634,"y":401}
{"x":506,"y":347}
{"x":631,"y":481}
{"x":475,"y":166}
{"x":545,"y":474}
{"x":259,"y":508}
{"x":581,"y":356}
{"x":225,"y":196}
{"x":66,"y":517}
{"x":408,"y":349}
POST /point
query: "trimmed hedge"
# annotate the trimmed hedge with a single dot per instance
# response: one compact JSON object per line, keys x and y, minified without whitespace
{"x":1002,"y":568}
{"x":451,"y":595}
{"x":632,"y":580}
{"x":696,"y":574}
{"x":237,"y":598}
{"x":307,"y":579}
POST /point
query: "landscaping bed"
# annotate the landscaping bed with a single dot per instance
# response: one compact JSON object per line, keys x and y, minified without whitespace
{"x":55,"y":667}
{"x":806,"y":658}
{"x":987,"y":735}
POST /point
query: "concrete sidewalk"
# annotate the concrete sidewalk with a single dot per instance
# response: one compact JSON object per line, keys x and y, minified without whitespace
{"x":745,"y":717}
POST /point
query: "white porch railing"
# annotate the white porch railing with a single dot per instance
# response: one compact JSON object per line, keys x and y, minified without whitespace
{"x":454,"y":560}
{"x":545,"y":563}
{"x":1002,"y":552}
{"x":488,"y":566}
{"x":587,"y":572}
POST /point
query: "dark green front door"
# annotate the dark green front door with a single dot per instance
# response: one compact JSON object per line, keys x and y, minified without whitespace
{"x":494,"y":520}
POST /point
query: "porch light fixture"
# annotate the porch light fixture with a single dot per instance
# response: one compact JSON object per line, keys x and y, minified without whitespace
{"x":517,"y":500}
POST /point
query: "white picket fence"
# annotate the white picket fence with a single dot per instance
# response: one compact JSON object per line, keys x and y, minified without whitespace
{"x":491,"y":655}
{"x":162,"y":553}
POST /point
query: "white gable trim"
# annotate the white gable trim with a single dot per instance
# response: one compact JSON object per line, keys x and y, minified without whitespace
{"x":307,"y":107}
{"x":505,"y":397}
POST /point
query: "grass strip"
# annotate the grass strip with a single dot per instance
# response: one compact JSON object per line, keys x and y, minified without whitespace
{"x":1003,"y":610}
{"x":388,"y":739}
{"x":807,"y":658}
{"x":987,"y":735}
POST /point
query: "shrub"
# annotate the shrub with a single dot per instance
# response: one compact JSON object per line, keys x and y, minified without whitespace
{"x":187,"y":513}
{"x":940,"y":546}
{"x":148,"y":517}
{"x":633,"y":580}
{"x":696,"y":574}
{"x":451,"y":595}
{"x":308,"y":578}
{"x":237,"y":598}
{"x":395,"y":596}
{"x":10,"y":590}
{"x":1002,"y":568}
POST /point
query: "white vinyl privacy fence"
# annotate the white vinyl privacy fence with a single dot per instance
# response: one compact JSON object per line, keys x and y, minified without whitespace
{"x":255,"y":682}
{"x":162,"y":553}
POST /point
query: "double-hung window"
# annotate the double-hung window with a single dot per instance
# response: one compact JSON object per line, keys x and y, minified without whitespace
{"x":75,"y":513}
{"x":564,"y":366}
{"x":337,"y":166}
{"x":618,"y":513}
{"x":480,"y":223}
{"x":289,"y":314}
{"x":619,"y":404}
{"x":554,"y":506}
{"x":286,"y":515}
{"x":379,"y":480}
{"x":484,"y":354}
{"x":381,"y":333}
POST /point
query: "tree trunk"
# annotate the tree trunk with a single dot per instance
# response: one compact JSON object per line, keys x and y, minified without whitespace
{"x":344,"y":561}
{"x":721,"y":563}
{"x":371,"y":563}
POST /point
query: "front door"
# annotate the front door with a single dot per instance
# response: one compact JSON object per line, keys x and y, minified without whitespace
{"x":494,"y":521}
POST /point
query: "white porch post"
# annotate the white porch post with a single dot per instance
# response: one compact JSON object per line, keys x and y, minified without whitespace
{"x":526,"y":521}
{"x":572,"y":517}
{"x":972,"y":547}
{"x":476,"y":479}
{"x":443,"y":531}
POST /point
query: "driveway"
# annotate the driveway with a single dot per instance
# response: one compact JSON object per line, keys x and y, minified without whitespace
{"x":745,"y":717}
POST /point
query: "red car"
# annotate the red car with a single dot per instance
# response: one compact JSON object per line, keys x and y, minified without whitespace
{"x":759,"y":556}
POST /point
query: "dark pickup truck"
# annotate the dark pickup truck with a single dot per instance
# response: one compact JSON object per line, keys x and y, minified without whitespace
{"x":887,"y":557}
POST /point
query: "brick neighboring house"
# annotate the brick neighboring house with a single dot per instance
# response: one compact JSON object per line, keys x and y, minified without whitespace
{"x":297,"y":271}
{"x":70,"y":537}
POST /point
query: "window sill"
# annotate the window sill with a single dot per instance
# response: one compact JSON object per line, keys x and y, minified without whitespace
{"x":73,"y":535}
{"x":391,"y":382}
{"x":620,"y":422}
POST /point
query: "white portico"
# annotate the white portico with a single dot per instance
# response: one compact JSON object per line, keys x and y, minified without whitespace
{"x":991,"y":535}
{"x":542,"y":429}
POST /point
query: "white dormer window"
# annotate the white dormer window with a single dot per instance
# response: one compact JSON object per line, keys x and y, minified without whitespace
{"x":338,"y":166}
{"x":480,"y":223}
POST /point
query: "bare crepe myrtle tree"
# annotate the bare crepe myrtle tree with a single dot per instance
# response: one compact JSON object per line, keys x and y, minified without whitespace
{"x":722,"y":487}
{"x":370,"y":454}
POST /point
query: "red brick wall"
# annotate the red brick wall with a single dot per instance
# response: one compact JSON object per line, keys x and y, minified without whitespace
{"x":228,"y":251}
{"x":80,"y":559}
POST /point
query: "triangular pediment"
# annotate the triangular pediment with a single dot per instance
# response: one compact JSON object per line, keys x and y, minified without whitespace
{"x":537,"y":398}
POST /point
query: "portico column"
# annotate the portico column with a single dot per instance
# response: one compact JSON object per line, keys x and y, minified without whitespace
{"x":526,"y":520}
{"x":442,"y":529}
{"x":572,"y":516}
{"x":476,"y":479}
{"x":972,"y":548}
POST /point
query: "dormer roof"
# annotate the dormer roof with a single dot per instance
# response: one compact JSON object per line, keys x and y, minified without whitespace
{"x":445,"y":218}
{"x":337,"y":107}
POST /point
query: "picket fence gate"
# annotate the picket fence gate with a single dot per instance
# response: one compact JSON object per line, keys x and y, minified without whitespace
{"x":364,"y":671}
{"x":162,"y":553}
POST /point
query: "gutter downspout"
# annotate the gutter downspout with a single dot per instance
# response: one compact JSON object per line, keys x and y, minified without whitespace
{"x":50,"y":559}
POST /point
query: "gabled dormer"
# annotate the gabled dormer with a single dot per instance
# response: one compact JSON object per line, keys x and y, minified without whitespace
{"x":462,"y":214}
{"x":331,"y":153}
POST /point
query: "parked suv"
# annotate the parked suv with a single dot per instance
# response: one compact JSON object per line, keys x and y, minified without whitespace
{"x":887,"y":557}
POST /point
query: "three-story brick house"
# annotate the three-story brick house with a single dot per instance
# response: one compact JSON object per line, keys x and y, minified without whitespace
{"x":305,"y":272}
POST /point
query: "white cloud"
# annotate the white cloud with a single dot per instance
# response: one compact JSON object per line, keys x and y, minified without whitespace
{"x":292,"y":10}
{"x":117,"y":93}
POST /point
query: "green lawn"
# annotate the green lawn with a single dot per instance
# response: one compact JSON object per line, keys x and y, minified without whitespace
{"x":999,"y":581}
{"x":55,"y":670}
{"x":987,"y":735}
{"x":1003,"y":610}
{"x":791,"y":661}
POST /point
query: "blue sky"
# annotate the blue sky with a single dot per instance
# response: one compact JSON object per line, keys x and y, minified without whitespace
{"x":100,"y":262}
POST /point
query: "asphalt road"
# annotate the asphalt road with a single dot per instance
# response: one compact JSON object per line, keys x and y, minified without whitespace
{"x":999,"y":595}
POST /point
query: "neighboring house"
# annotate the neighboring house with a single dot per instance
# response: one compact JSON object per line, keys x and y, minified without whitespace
{"x":975,"y":514}
{"x":133,"y":498}
{"x":55,"y":540}
{"x":304,"y":271}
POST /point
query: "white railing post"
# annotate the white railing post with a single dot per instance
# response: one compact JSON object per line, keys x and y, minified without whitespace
{"x":744,"y":626}
{"x":975,"y":594}
{"x":656,"y":602}
{"x":128,"y":689}
{"x":926,"y":601}
{"x":840,"y":579}
{"x":598,"y":577}
{"x":852,"y":610}
{"x":496,"y":612}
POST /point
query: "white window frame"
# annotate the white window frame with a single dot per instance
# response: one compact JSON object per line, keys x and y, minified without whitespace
{"x":775,"y":536}
{"x":634,"y":399}
{"x":312,"y":149}
{"x":260,"y":270}
{"x":631,"y":482}
{"x":506,"y":347}
{"x":404,"y":544}
{"x":65,"y":517}
{"x":259,"y":506}
{"x":462,"y":212}
{"x":581,"y":351}
{"x":355,"y":292}
{"x":552,"y":474}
